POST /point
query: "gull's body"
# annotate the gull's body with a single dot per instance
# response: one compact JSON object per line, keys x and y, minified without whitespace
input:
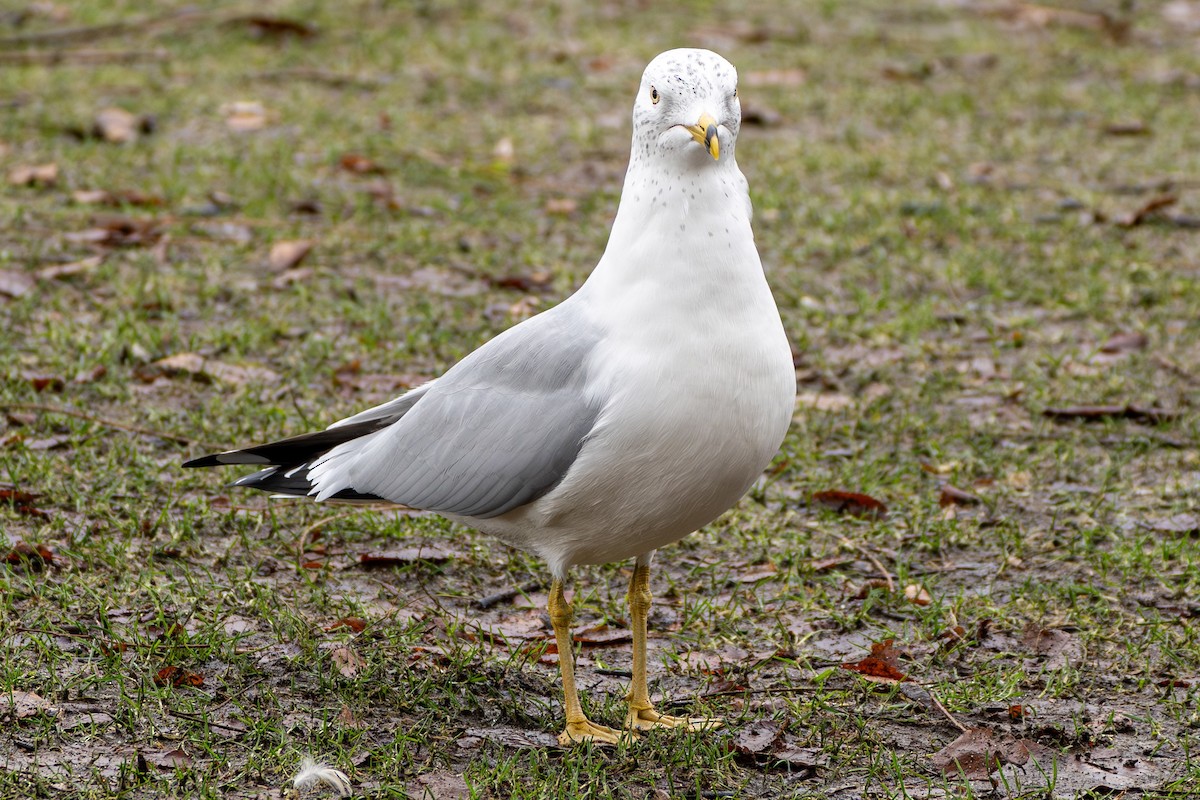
{"x":631,"y":414}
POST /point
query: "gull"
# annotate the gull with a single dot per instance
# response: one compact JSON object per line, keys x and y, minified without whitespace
{"x":631,"y":414}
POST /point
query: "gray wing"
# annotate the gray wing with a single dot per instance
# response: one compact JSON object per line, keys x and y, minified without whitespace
{"x":498,"y":430}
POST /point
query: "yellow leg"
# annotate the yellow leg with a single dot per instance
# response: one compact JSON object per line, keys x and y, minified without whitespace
{"x":642,"y":716}
{"x":579,"y":728}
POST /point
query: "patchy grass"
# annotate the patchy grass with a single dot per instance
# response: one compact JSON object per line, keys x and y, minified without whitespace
{"x":961,"y":207}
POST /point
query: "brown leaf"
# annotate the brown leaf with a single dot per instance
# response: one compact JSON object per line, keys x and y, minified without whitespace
{"x":601,"y":635}
{"x":1147,"y":210}
{"x":360,"y":165}
{"x":32,"y":557}
{"x":1136,"y":413}
{"x":758,"y":738}
{"x":952,"y":496}
{"x":34,"y":175}
{"x":170,"y":759}
{"x":127,"y":197}
{"x":1125,"y":342}
{"x":244,"y":116}
{"x":177,"y":677}
{"x":118,"y":230}
{"x":1133,"y":127}
{"x":823,"y":564}
{"x":881,"y":665}
{"x":265,"y":27}
{"x":70,"y":270}
{"x":979,"y":752}
{"x":198,"y":366}
{"x":22,"y":705}
{"x":852,"y":503}
{"x":917,"y":595}
{"x":287,"y":255}
{"x":117,"y":125}
{"x":561,"y":206}
{"x":431,"y":554}
{"x":347,"y":662}
{"x":22,"y":502}
{"x":348,"y":719}
{"x":356,"y":624}
{"x":15,"y":284}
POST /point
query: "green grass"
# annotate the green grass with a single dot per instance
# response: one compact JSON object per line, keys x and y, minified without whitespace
{"x":939,"y":204}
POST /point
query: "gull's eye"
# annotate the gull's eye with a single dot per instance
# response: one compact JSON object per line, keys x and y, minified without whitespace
{"x":654,"y":96}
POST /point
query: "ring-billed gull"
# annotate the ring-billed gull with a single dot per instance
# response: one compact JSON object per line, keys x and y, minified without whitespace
{"x":631,"y":414}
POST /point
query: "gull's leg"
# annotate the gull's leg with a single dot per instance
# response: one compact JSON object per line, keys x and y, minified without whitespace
{"x":642,"y":716}
{"x":579,"y":728}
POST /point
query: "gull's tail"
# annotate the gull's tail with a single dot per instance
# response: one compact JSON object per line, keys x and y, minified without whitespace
{"x":288,"y":460}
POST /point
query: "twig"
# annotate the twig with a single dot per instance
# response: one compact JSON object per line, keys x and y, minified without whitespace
{"x":311,"y":529}
{"x":887,"y":576}
{"x":202,"y":720}
{"x":36,"y":58}
{"x":336,"y":80}
{"x":90,"y":33}
{"x":506,"y":595}
{"x":108,"y":423}
{"x":942,"y":708}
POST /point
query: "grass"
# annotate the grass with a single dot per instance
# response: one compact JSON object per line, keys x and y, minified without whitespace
{"x":947,"y":199}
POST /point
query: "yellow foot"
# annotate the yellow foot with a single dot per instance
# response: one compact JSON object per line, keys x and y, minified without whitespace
{"x":647,"y":719}
{"x":588,"y":731}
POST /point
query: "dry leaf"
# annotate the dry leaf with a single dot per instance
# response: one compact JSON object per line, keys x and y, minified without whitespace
{"x":177,"y":676}
{"x":59,"y":271}
{"x":34,"y":175}
{"x":1144,"y":414}
{"x":117,"y":125}
{"x":953,"y":496}
{"x":979,"y":752}
{"x":356,"y":624}
{"x":347,"y":662}
{"x":289,"y":254}
{"x":881,"y":665}
{"x":757,"y":738}
{"x":15,"y":284}
{"x":198,"y":366}
{"x":852,"y":503}
{"x":265,"y":27}
{"x":432,"y":554}
{"x":360,"y":165}
{"x":17,"y":704}
{"x":1125,"y":342}
{"x":244,"y":116}
{"x":1147,"y":210}
{"x":917,"y":595}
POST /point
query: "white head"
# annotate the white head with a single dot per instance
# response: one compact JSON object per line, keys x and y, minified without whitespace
{"x":687,"y":109}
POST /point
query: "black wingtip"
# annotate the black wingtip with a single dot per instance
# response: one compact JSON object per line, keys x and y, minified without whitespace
{"x":225,"y":459}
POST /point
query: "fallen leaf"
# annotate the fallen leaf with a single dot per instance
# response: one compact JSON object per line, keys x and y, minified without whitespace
{"x":289,"y":254}
{"x":198,"y":366}
{"x":58,"y":271}
{"x":347,"y":662}
{"x":44,"y":175}
{"x":1133,"y":127}
{"x":360,"y":165}
{"x":431,"y":554}
{"x":852,"y":503}
{"x":917,"y":595}
{"x":757,"y":738}
{"x":979,"y":752}
{"x":244,"y":116}
{"x":1059,"y":648}
{"x":953,"y":496}
{"x":1146,"y":211}
{"x":442,"y":784}
{"x":103,"y":197}
{"x":17,"y":704}
{"x":177,"y":677}
{"x":170,"y":759}
{"x":15,"y":284}
{"x":265,"y":27}
{"x":825,"y":401}
{"x":1125,"y":342}
{"x":536,"y":281}
{"x":117,"y":230}
{"x":356,"y":624}
{"x":117,"y":125}
{"x":347,"y":719}
{"x":561,"y":206}
{"x":881,"y":665}
{"x":602,"y":635}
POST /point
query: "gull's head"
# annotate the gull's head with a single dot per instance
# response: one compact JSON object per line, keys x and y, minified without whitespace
{"x":687,"y":108}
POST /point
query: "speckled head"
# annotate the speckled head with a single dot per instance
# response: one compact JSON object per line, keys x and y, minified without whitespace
{"x":687,"y":108}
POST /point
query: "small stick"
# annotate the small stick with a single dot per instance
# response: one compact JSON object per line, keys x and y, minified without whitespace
{"x":108,"y":423}
{"x":200,"y":719}
{"x":31,"y":58}
{"x":942,"y":709}
{"x":506,"y":595}
{"x":887,"y":576}
{"x":90,"y":33}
